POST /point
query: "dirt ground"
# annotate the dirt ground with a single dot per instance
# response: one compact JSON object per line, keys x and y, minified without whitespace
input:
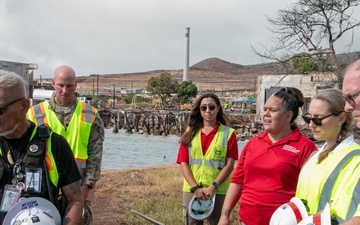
{"x":117,"y":190}
{"x":108,"y":206}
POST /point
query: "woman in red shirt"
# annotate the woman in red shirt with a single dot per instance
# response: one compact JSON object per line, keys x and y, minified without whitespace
{"x":269,"y":165}
{"x":207,"y":152}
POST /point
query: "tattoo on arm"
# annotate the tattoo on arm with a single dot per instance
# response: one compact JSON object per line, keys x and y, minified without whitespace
{"x":75,"y":188}
{"x":225,"y":212}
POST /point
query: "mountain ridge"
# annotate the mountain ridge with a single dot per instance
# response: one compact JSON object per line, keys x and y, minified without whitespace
{"x":209,"y":74}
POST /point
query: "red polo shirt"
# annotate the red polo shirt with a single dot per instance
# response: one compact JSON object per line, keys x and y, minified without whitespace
{"x":269,"y":174}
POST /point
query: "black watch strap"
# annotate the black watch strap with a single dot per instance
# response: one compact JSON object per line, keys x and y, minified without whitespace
{"x":193,"y":189}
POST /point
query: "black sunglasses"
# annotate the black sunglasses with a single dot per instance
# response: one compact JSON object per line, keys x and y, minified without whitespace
{"x":4,"y":107}
{"x":351,"y":98}
{"x":316,"y":120}
{"x":210,"y":106}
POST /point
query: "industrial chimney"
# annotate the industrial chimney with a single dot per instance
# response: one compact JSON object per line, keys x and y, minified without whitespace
{"x":186,"y":55}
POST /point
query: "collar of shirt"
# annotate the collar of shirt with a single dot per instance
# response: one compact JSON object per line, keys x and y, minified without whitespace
{"x":345,"y":143}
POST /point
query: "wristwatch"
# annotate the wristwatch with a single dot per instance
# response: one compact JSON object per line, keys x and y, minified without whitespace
{"x":214,"y":184}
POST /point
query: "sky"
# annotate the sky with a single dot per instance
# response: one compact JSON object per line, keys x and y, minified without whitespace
{"x":128,"y":36}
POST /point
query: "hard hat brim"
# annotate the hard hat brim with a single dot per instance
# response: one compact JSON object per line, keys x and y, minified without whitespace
{"x":30,"y":203}
{"x":198,"y":213}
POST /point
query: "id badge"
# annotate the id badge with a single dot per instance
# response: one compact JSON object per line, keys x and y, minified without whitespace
{"x":10,"y":197}
{"x":33,"y":180}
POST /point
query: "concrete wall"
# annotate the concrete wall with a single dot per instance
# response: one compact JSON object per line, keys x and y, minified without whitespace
{"x":309,"y":84}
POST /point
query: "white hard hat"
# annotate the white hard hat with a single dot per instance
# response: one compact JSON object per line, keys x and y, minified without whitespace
{"x":323,"y":218}
{"x":35,"y":215}
{"x":201,"y":209}
{"x":33,"y":210}
{"x":290,"y":213}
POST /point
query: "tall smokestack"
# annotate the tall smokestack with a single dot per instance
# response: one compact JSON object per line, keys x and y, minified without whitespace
{"x":186,"y":55}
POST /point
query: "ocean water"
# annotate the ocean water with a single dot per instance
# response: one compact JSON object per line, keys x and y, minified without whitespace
{"x":123,"y":150}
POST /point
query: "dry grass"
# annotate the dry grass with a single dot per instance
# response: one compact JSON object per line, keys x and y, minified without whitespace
{"x":153,"y":191}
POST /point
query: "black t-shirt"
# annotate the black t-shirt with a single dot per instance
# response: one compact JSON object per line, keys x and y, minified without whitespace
{"x":63,"y":156}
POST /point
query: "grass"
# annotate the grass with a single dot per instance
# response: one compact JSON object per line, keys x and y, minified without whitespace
{"x":153,"y":191}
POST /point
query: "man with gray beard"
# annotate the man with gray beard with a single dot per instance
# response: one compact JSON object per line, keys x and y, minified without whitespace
{"x":34,"y":162}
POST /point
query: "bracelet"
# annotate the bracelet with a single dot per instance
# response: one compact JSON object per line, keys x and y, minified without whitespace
{"x":193,"y":189}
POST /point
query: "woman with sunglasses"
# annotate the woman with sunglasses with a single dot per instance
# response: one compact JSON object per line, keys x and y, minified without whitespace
{"x":324,"y":177}
{"x":269,"y":165}
{"x":207,"y":152}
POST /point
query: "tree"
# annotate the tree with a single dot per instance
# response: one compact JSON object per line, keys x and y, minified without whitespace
{"x":304,"y":63}
{"x":312,"y":26}
{"x":186,"y":90}
{"x":163,"y":86}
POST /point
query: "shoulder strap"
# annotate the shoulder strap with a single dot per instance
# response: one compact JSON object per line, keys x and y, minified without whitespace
{"x":37,"y":147}
{"x":37,"y":157}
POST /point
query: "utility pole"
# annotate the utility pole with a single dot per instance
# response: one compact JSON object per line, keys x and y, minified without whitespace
{"x":93,"y":91}
{"x":114,"y":98}
{"x":97,"y":86}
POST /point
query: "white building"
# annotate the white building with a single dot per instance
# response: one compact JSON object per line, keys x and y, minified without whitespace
{"x":309,"y":84}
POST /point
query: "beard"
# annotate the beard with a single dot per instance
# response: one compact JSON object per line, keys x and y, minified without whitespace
{"x":7,"y":133}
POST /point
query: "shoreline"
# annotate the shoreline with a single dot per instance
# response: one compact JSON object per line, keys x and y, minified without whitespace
{"x":111,"y":171}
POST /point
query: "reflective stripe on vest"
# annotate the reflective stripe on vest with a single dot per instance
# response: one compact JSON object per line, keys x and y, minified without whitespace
{"x":78,"y":131}
{"x":38,"y":112}
{"x":354,"y":203}
{"x":330,"y":181}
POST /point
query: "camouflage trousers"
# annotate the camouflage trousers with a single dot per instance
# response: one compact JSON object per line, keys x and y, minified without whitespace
{"x":87,"y":214}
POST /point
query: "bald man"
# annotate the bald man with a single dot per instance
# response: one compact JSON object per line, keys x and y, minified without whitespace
{"x":82,"y":127}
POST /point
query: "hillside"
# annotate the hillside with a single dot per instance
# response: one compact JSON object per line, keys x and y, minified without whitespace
{"x":210,"y":74}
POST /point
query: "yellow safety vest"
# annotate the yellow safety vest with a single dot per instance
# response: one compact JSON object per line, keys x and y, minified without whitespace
{"x":205,"y":168}
{"x":77,"y":133}
{"x":49,"y":158}
{"x":333,"y":181}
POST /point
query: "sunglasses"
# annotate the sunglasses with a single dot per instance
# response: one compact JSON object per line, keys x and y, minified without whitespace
{"x":351,"y":98}
{"x":210,"y":106}
{"x":316,"y":120}
{"x":4,"y":107}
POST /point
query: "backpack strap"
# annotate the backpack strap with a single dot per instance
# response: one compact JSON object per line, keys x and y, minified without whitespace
{"x":37,"y":155}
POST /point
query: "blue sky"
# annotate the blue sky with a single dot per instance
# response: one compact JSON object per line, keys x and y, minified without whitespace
{"x":126,"y":36}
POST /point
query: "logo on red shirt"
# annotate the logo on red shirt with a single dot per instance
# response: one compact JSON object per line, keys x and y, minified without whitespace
{"x":290,"y":149}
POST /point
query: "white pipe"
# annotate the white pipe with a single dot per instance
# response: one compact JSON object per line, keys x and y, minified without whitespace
{"x":186,"y":55}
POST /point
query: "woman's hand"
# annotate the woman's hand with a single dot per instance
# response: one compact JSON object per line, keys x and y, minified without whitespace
{"x":200,"y":194}
{"x":209,"y":192}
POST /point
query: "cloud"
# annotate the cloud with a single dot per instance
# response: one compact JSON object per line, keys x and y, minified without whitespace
{"x":111,"y":36}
